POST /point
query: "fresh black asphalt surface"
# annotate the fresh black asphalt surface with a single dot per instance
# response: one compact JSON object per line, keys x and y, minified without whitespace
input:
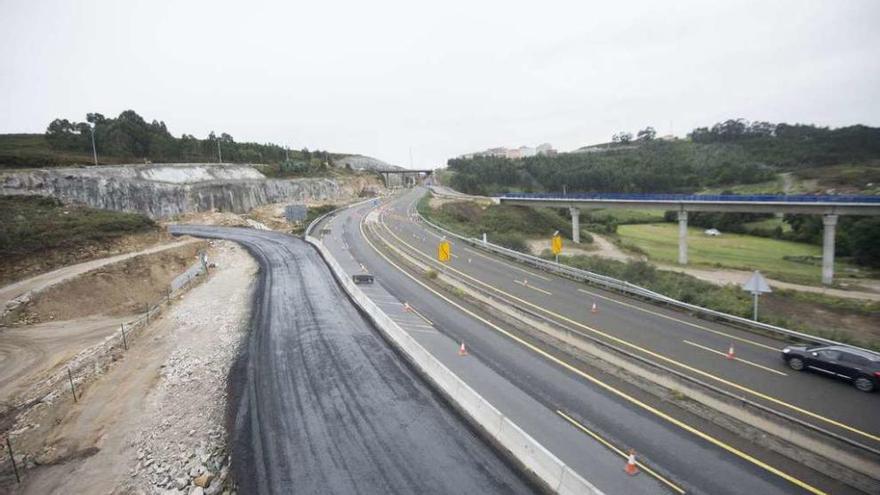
{"x":319,"y":403}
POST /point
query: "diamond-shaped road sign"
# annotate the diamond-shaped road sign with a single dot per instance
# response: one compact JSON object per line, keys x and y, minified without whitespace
{"x":757,"y":284}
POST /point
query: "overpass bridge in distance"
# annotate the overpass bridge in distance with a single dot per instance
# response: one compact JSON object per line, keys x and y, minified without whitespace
{"x":408,"y":177}
{"x":830,"y":207}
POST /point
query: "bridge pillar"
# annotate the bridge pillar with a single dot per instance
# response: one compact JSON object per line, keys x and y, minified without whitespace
{"x":830,"y":223}
{"x":575,"y":225}
{"x":682,"y":237}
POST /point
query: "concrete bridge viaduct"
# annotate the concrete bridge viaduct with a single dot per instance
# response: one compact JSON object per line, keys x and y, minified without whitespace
{"x":830,"y":207}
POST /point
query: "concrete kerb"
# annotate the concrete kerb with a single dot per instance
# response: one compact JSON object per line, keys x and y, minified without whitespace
{"x":531,"y":454}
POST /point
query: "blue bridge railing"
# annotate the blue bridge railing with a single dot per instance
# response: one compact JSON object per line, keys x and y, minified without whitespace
{"x":714,"y":198}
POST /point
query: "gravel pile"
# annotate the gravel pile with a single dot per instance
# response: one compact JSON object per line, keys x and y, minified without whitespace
{"x":181,"y":447}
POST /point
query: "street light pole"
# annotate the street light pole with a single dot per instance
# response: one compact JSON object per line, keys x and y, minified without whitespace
{"x":219,"y":153}
{"x":94,"y":150}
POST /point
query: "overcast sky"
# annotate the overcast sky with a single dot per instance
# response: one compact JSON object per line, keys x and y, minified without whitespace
{"x":439,"y":78}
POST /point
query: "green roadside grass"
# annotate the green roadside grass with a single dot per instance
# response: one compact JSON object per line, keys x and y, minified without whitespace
{"x":775,"y":258}
{"x":34,"y":223}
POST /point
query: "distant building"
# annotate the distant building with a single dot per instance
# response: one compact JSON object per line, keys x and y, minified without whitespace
{"x":514,"y":153}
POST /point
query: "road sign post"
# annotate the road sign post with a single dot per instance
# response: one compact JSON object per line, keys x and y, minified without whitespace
{"x":556,"y":245}
{"x":757,"y":285}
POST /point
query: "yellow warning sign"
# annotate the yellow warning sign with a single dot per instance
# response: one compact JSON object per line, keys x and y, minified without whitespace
{"x":444,"y":250}
{"x":556,"y":244}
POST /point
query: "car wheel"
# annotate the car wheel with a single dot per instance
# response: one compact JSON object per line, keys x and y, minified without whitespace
{"x":864,"y":384}
{"x":796,"y":364}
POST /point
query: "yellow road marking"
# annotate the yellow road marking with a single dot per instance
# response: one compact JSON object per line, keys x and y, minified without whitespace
{"x":756,"y":365}
{"x":619,"y":452}
{"x":420,"y":315}
{"x":590,"y":378}
{"x":656,"y":355}
{"x":525,"y":283}
{"x":695,"y":325}
{"x":508,"y":265}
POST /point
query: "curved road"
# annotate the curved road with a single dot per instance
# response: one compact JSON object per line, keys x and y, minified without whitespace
{"x":694,"y":463}
{"x":321,"y":404}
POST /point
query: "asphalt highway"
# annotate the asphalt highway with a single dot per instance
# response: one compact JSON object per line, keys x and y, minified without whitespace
{"x":690,"y":345}
{"x":321,"y":404}
{"x":693,"y":454}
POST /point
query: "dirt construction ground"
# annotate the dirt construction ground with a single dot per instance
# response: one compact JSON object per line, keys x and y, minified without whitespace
{"x":153,"y":421}
{"x":79,"y":307}
{"x":125,"y":288}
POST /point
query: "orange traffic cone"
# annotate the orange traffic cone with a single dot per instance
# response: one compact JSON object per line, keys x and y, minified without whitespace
{"x":730,"y":353}
{"x":631,"y":468}
{"x":595,"y":308}
{"x":462,"y":351}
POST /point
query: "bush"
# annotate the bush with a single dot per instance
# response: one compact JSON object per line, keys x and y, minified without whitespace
{"x":431,"y":274}
{"x":35,"y":223}
{"x":511,"y":241}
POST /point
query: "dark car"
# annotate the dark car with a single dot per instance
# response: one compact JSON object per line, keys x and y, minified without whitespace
{"x":859,"y":366}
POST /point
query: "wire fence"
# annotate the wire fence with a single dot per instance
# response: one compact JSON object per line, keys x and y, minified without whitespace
{"x":70,"y":380}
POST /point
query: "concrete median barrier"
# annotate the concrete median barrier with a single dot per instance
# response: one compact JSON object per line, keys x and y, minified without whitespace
{"x":540,"y":462}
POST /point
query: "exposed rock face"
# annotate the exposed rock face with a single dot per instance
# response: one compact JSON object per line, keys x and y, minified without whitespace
{"x":164,"y":190}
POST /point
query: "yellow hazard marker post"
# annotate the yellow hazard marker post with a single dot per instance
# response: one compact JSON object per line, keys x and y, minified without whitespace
{"x":556,"y":245}
{"x":444,"y":250}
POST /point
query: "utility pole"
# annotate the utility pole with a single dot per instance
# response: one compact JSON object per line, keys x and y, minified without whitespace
{"x":219,"y":153}
{"x":94,"y":150}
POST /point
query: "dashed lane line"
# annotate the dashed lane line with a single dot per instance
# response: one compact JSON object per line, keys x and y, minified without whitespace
{"x":525,"y":283}
{"x":655,"y":355}
{"x":756,"y":365}
{"x":596,"y":381}
{"x":672,"y":318}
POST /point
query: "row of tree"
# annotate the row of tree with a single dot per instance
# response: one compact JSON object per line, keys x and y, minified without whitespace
{"x":129,"y":136}
{"x":654,"y":166}
{"x":729,"y":153}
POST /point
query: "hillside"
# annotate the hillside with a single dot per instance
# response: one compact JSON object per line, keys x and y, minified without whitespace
{"x":732,"y":154}
{"x":130,"y":138}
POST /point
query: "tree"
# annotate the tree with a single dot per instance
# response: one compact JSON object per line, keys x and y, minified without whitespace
{"x":864,"y":241}
{"x":647,"y":134}
{"x":624,"y":137}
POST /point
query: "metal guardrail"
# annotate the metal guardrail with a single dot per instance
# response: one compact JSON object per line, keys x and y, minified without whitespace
{"x":712,"y":198}
{"x":628,"y":288}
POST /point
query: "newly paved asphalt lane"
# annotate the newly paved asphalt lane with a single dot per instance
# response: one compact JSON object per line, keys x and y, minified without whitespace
{"x":694,"y":463}
{"x":320,"y":403}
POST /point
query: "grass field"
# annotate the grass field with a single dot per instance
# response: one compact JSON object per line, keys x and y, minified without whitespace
{"x":744,"y":252}
{"x":32,"y":150}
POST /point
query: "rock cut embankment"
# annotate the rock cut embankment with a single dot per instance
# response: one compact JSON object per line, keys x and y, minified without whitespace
{"x":165,"y":190}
